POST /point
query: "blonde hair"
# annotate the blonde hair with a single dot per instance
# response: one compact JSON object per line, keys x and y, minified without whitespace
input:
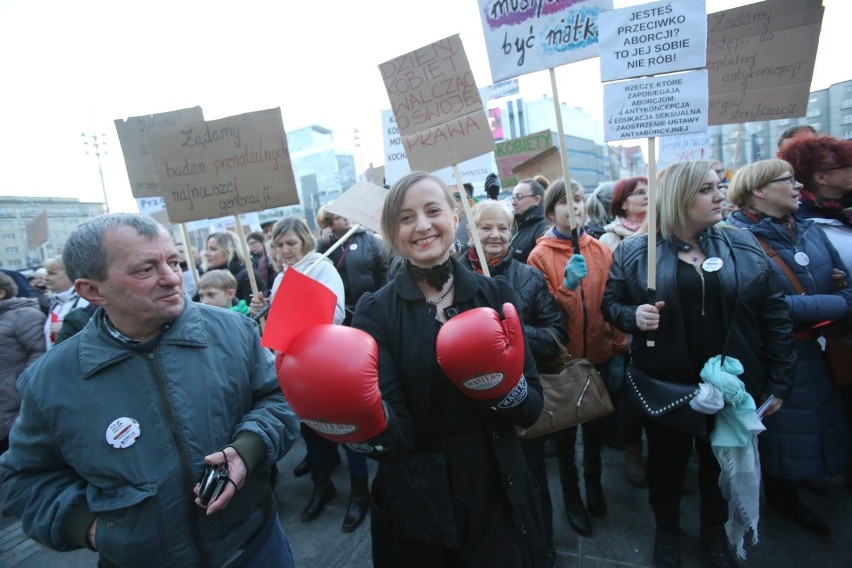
{"x":755,"y":176}
{"x":485,"y":208}
{"x":55,"y":263}
{"x":301,"y":230}
{"x":217,"y":279}
{"x":678,"y":185}
{"x":555,"y":193}
{"x":230,"y":243}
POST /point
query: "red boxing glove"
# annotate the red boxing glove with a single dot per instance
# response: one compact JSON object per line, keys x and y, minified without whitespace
{"x":331,"y":380}
{"x":484,"y":356}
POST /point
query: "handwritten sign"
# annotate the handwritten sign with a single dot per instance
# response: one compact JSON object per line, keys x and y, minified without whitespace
{"x":530,"y":35}
{"x":134,"y":146}
{"x":761,"y":60}
{"x":511,"y":153}
{"x":396,"y":162}
{"x":223,"y":167}
{"x":362,"y":203}
{"x":437,"y":106}
{"x":656,"y":106}
{"x":654,"y":38}
{"x":154,"y":207}
{"x":680,"y":147}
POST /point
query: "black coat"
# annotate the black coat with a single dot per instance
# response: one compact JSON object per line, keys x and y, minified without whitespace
{"x":361,"y":263}
{"x":762,"y":334}
{"x":404,"y":327}
{"x":529,"y":226}
{"x":535,"y":304}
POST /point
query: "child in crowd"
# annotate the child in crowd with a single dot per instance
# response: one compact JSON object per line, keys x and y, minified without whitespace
{"x":219,"y":288}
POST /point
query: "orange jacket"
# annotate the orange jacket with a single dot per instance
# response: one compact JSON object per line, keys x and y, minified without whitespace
{"x":590,"y":336}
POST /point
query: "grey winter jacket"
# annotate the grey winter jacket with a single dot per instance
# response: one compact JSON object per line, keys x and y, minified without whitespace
{"x":21,"y":343}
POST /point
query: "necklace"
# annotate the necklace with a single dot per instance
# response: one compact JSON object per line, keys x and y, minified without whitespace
{"x":444,"y":295}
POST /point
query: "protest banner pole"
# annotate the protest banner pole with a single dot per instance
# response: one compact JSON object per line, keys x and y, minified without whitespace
{"x":190,"y":261}
{"x":737,"y":147}
{"x":566,"y":173}
{"x":246,"y":254}
{"x":651,"y":223}
{"x":334,"y":247}
{"x":467,"y":213}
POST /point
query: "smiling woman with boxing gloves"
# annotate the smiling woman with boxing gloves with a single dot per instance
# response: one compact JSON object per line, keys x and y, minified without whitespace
{"x":455,"y":376}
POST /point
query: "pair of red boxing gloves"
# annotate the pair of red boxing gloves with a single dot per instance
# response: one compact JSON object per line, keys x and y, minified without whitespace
{"x":330,"y":374}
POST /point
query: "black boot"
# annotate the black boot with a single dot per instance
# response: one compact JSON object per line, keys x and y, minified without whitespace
{"x":667,"y":545}
{"x":359,"y":502}
{"x":303,"y":468}
{"x":324,"y":492}
{"x":595,"y":500}
{"x":578,"y":518}
{"x":716,"y":546}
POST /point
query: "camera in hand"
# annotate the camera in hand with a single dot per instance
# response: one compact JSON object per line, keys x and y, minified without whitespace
{"x":212,"y":482}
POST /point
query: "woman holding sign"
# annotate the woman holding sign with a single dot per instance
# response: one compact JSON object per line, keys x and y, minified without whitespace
{"x":224,"y":252}
{"x":456,"y":376}
{"x":715,"y":294}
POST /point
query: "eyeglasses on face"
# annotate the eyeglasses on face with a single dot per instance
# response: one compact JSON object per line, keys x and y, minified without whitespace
{"x":519,"y":196}
{"x":789,"y":180}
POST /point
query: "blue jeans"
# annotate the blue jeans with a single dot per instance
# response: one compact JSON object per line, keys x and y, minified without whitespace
{"x":268,"y":548}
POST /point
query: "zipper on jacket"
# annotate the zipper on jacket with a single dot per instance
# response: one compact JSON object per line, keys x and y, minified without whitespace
{"x":701,"y":275}
{"x":188,"y":476}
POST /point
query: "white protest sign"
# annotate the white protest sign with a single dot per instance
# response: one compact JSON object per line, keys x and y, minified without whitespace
{"x":396,"y":162}
{"x":362,"y":203}
{"x":436,"y":105}
{"x":212,"y":169}
{"x":523,"y":36}
{"x":134,"y":146}
{"x":681,"y":147}
{"x":654,"y":38}
{"x":656,"y":106}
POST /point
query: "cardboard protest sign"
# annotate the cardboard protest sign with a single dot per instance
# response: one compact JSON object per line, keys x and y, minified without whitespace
{"x":300,"y":303}
{"x":656,"y":106}
{"x":134,"y":146}
{"x":396,"y":162}
{"x":154,"y":207}
{"x":512,"y":152}
{"x":654,"y":38}
{"x":437,"y":106}
{"x":522,"y":37}
{"x":223,"y":167}
{"x":761,"y":60}
{"x":547,"y":163}
{"x":680,"y":147}
{"x":37,"y":230}
{"x":362,"y":203}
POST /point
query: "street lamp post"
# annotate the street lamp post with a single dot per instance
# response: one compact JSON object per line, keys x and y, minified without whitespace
{"x":96,"y":142}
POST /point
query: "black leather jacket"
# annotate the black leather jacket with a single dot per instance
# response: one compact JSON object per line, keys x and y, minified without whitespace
{"x":761,"y":329}
{"x":529,"y":226}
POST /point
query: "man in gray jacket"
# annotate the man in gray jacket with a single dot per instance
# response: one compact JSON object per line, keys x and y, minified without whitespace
{"x":118,"y":423}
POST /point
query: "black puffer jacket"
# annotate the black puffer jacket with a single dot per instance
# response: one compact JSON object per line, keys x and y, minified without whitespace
{"x":361,"y":263}
{"x":762,"y":335}
{"x":535,"y":304}
{"x":529,"y":226}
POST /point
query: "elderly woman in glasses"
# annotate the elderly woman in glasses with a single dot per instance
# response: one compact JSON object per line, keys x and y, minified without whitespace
{"x":629,"y":207}
{"x":807,"y":438}
{"x":530,"y":224}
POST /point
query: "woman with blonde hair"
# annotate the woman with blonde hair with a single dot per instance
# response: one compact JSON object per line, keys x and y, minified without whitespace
{"x":715,"y":294}
{"x":807,"y":439}
{"x":224,"y":252}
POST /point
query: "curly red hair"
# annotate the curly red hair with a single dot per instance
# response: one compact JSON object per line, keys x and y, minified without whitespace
{"x":623,"y":189}
{"x":811,"y":155}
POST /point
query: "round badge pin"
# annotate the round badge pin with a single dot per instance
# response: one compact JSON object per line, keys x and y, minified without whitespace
{"x":712,"y":264}
{"x":122,"y":432}
{"x":353,"y":246}
{"x":802,"y":259}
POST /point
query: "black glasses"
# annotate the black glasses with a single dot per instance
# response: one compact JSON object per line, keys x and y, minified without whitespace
{"x":518,"y":197}
{"x":790,"y":180}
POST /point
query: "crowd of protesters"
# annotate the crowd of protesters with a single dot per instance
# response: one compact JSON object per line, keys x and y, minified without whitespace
{"x":750,"y":289}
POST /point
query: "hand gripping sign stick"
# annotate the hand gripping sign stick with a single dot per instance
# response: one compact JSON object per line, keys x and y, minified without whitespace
{"x":469,"y":216}
{"x":566,"y":173}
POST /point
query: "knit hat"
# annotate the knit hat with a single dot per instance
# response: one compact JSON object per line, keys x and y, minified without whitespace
{"x":492,"y":185}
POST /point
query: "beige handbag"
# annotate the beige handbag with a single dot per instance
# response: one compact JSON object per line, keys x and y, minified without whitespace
{"x":573,"y":395}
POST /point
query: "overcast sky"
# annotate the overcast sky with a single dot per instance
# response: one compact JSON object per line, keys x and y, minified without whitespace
{"x":74,"y":67}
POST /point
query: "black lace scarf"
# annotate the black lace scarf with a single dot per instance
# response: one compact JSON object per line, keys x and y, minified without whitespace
{"x":435,"y":276}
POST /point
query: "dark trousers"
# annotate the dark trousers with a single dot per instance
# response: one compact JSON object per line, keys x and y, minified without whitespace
{"x":593,"y":434}
{"x":668,"y":454}
{"x":320,"y":451}
{"x":534,"y":454}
